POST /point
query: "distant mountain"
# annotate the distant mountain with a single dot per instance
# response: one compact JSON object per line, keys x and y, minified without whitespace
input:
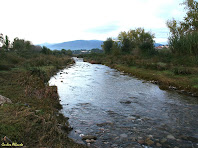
{"x":79,"y":44}
{"x":45,"y":44}
{"x":76,"y":45}
{"x":157,"y":44}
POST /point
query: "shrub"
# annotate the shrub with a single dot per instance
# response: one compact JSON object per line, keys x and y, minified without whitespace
{"x":181,"y":71}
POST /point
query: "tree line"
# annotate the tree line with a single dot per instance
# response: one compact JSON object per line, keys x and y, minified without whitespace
{"x":24,"y":47}
{"x":183,"y":39}
{"x":130,"y":42}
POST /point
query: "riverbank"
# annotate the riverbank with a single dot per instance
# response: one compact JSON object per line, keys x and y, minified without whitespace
{"x":33,"y":118}
{"x":173,"y":76}
{"x":121,"y":111}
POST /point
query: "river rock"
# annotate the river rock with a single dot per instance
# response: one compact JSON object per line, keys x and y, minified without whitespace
{"x":88,"y":141}
{"x":4,"y":100}
{"x":158,"y":145}
{"x":78,"y":131}
{"x":148,"y":141}
{"x":104,"y":124}
{"x":123,"y":136}
{"x":114,"y":145}
{"x":140,"y":140}
{"x":81,"y":135}
{"x":163,"y":140}
{"x":150,"y":136}
{"x":131,"y":118}
{"x":125,"y":102}
{"x":92,"y":141}
{"x":85,"y":137}
{"x":170,"y":137}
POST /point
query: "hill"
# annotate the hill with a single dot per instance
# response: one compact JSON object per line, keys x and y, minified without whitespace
{"x":79,"y":44}
{"x":76,"y":45}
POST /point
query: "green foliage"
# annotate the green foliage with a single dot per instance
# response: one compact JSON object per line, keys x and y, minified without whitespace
{"x":191,"y":19}
{"x":184,"y":44}
{"x":39,"y":72}
{"x":9,"y":60}
{"x":181,"y":71}
{"x":116,"y":49}
{"x":107,"y":45}
{"x":184,"y":35}
{"x":1,"y":38}
{"x":6,"y":43}
{"x":21,"y":45}
{"x":68,"y":52}
{"x":136,"y":39}
{"x":96,"y":50}
{"x":126,"y":45}
{"x":46,"y":50}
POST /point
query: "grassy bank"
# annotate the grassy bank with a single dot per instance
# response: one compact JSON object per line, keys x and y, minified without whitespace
{"x":167,"y":71}
{"x":33,"y":118}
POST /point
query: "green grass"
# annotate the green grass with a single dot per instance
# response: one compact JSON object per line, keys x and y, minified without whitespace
{"x":34,"y":116}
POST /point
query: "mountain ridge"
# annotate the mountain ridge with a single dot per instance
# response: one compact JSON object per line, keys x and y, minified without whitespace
{"x":79,"y":44}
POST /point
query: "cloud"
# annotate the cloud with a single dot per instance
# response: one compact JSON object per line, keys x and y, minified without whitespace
{"x":104,"y":29}
{"x":64,"y":20}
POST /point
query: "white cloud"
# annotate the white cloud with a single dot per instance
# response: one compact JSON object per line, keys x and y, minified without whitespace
{"x":63,"y":20}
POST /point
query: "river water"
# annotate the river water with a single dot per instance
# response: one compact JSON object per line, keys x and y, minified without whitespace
{"x":123,"y":111}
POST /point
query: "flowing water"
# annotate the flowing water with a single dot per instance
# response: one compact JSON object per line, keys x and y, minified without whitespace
{"x":123,"y":111}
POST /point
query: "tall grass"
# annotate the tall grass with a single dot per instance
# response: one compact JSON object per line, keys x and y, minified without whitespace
{"x":186,"y":44}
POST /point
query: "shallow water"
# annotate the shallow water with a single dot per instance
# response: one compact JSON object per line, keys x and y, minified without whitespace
{"x":122,"y":111}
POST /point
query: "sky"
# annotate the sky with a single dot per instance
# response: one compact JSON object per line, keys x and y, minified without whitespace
{"x":55,"y":21}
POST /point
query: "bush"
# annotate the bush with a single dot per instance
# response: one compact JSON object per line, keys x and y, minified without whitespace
{"x":37,"y":71}
{"x":185,"y":44}
{"x":181,"y":71}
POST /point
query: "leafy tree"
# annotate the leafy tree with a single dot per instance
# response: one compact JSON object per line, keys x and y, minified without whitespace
{"x":107,"y":45}
{"x":21,"y":45}
{"x":191,"y":19}
{"x":138,"y":39}
{"x":6,"y":44}
{"x":183,"y":39}
{"x":69,"y":52}
{"x":116,"y":49}
{"x":96,"y":50}
{"x":146,"y":43}
{"x":46,"y":50}
{"x":63,"y":51}
{"x":126,"y":45}
{"x":1,"y":38}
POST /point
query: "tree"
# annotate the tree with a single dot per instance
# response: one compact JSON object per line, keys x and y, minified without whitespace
{"x":116,"y":49}
{"x":136,"y":39}
{"x":69,"y":52}
{"x":191,"y":19}
{"x":96,"y":50}
{"x":107,"y":45}
{"x":46,"y":50}
{"x":63,"y":51}
{"x":6,"y":43}
{"x":183,"y":39}
{"x":146,"y":43}
{"x":1,"y":38}
{"x":21,"y":45}
{"x":126,"y":45}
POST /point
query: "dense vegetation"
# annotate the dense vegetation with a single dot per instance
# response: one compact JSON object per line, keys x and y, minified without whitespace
{"x":33,"y":118}
{"x":184,"y":34}
{"x":134,"y":52}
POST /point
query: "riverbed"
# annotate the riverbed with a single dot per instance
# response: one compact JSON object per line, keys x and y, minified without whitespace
{"x":121,"y":111}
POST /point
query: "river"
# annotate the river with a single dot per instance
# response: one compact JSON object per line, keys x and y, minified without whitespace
{"x":122,"y":111}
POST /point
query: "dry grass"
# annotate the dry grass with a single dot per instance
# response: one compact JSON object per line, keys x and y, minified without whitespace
{"x":33,"y":119}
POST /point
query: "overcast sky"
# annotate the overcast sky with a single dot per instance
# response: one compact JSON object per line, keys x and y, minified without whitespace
{"x":56,"y":21}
